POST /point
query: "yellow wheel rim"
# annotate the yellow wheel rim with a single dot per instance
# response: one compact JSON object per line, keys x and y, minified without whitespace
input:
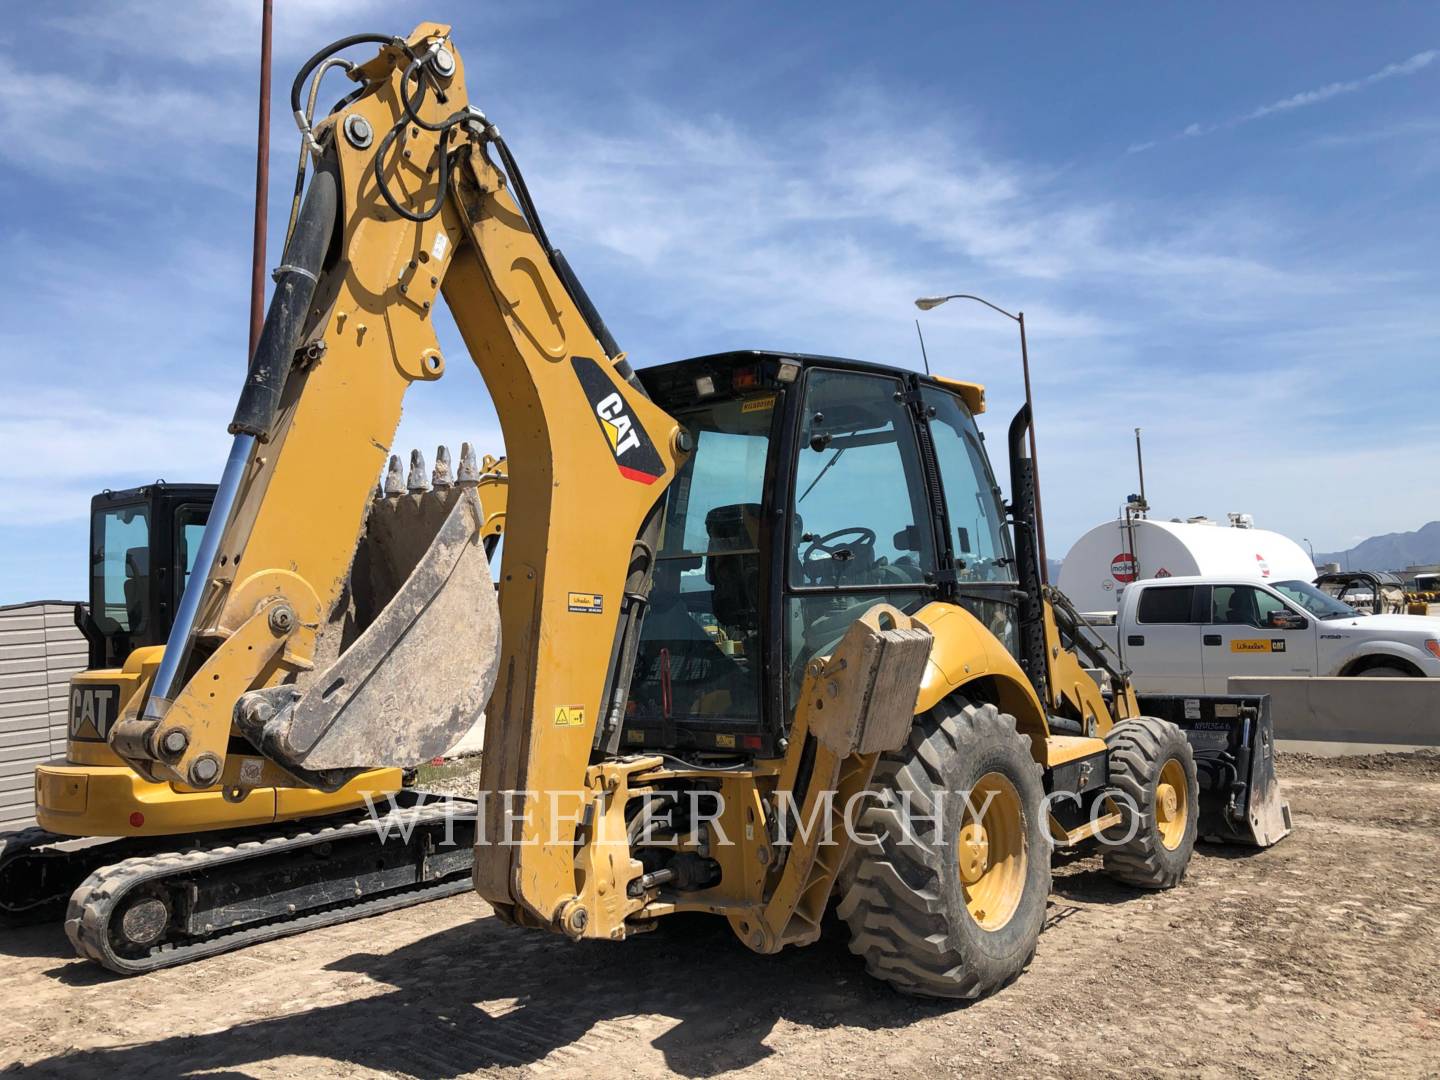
{"x":992,"y":851}
{"x":1172,"y":804}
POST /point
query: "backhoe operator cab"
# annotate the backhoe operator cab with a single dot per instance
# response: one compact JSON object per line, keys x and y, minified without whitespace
{"x":804,"y":503}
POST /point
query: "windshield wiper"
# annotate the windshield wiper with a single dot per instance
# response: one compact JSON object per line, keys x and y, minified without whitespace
{"x":820,"y":474}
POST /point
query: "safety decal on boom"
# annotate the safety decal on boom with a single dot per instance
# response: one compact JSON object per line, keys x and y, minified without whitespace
{"x":635,"y":454}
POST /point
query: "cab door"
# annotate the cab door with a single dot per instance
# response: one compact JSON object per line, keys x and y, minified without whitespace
{"x":1251,"y":631}
{"x":1162,"y":644}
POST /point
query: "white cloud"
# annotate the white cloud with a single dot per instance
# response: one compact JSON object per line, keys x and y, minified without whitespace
{"x":1305,"y":98}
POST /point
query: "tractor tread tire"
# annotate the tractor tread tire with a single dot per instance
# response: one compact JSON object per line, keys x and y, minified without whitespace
{"x":903,"y":901}
{"x":1138,"y":751}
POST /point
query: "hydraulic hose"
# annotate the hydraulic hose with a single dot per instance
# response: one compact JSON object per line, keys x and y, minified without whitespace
{"x":295,"y":282}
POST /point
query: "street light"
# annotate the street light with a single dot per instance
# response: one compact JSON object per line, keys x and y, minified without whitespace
{"x":925,"y":303}
{"x":1310,"y":546}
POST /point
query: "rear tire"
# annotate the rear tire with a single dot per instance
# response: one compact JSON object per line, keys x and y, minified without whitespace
{"x":1152,"y":770}
{"x":953,"y":911}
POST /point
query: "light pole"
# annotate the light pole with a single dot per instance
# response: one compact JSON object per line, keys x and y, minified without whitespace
{"x":925,"y":303}
{"x":1311,"y":547}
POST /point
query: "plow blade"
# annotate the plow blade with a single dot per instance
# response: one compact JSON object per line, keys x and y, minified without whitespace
{"x":1233,"y":738}
{"x":414,"y":681}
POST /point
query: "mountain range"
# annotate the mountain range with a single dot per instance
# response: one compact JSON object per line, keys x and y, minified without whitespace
{"x":1393,"y":551}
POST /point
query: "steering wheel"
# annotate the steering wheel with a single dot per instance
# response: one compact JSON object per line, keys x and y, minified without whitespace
{"x":826,"y":546}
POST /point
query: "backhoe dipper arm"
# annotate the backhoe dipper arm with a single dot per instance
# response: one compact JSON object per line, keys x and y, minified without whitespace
{"x":276,"y":650}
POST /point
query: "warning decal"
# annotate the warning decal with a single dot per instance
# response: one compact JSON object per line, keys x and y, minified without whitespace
{"x":570,"y":716}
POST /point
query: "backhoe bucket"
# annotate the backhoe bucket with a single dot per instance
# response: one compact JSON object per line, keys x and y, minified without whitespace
{"x":1233,"y":738}
{"x":417,"y":677}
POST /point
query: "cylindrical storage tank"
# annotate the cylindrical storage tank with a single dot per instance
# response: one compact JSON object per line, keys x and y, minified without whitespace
{"x":1112,"y":555}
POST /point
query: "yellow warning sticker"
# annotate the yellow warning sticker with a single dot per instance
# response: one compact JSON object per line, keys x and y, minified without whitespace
{"x":725,"y":741}
{"x":758,"y":404}
{"x":569,"y":716}
{"x":587,"y":603}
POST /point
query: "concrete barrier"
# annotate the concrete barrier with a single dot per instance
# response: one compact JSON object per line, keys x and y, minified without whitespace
{"x":1349,"y":716}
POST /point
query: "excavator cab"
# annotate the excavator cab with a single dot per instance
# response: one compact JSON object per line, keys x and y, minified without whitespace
{"x":143,"y":542}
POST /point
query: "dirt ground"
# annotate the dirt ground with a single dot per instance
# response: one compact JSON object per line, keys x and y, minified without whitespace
{"x":1319,"y":957}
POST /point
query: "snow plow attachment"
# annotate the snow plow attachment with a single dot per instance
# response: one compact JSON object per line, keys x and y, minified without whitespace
{"x":1233,"y":738}
{"x":410,"y":685}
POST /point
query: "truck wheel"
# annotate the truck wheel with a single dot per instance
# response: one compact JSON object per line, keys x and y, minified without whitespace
{"x":1383,"y":671}
{"x":1152,"y":770}
{"x":954,"y":908}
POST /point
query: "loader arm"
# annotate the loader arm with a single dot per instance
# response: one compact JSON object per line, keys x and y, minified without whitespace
{"x":406,"y":207}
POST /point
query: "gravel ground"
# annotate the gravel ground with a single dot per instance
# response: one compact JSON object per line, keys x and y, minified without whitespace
{"x":1318,"y":957}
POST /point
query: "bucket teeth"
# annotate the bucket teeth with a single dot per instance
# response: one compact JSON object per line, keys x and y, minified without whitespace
{"x":469,"y":473}
{"x":441,"y":478}
{"x":417,"y":481}
{"x":394,"y":477}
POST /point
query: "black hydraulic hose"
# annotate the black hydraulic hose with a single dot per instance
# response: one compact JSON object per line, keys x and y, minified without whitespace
{"x":298,"y":86}
{"x":522,"y":194}
{"x":295,"y":283}
{"x":443,"y":166}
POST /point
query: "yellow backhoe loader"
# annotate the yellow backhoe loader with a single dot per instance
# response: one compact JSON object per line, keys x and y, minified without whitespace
{"x":765,"y":633}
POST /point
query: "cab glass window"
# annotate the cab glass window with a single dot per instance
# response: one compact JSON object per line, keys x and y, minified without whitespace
{"x":1166,"y":604}
{"x":120,"y":569}
{"x":1243,"y":605}
{"x":981,"y":545}
{"x":861,"y":530}
{"x":189,"y":530}
{"x":860,"y":518}
{"x":700,"y":645}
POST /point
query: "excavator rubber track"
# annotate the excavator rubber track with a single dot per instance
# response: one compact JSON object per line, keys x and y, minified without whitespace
{"x":165,"y":908}
{"x":40,"y":869}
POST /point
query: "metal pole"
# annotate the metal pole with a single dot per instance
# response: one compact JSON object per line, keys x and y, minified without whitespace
{"x":1140,"y":465}
{"x":262,"y":183}
{"x":1034,"y":461}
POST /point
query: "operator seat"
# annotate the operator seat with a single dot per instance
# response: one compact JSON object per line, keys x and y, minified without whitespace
{"x":137,"y":587}
{"x":732,"y":566}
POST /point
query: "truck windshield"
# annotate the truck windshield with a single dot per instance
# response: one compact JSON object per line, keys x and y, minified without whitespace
{"x":1319,"y":604}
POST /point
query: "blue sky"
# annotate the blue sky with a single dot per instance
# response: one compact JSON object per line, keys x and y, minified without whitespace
{"x":1220,"y":221}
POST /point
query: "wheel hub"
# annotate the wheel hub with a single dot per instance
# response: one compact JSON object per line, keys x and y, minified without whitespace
{"x":991,"y":851}
{"x":974,"y":852}
{"x":1172,"y":804}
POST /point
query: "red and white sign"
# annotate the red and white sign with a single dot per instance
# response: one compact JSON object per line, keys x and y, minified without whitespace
{"x":1264,"y":566}
{"x":1162,"y":572}
{"x":1122,"y":567}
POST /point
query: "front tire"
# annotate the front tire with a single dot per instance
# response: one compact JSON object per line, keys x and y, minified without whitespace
{"x":1152,"y":770}
{"x":954,"y":909}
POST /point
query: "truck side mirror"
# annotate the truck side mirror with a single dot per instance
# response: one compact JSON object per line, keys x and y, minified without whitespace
{"x":1287,"y":620}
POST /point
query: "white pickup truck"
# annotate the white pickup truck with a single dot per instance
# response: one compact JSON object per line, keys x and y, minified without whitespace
{"x":1183,"y":635}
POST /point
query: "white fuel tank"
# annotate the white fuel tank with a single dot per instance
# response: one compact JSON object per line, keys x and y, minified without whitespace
{"x":1113,"y":554}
